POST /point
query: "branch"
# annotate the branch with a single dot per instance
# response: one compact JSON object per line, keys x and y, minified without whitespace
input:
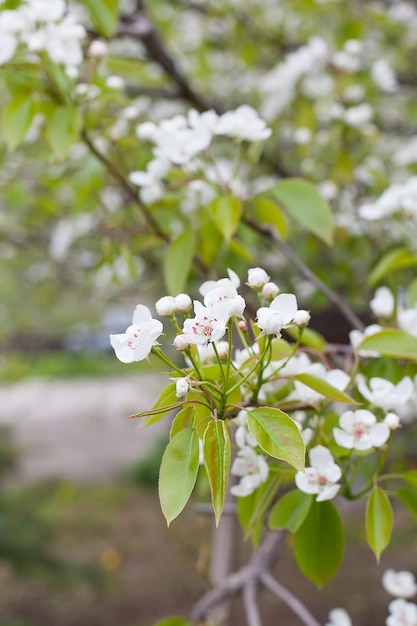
{"x":290,"y":600}
{"x":331,"y":295}
{"x":250,"y":604}
{"x":141,"y":26}
{"x":237,"y":582}
{"x":125,"y":184}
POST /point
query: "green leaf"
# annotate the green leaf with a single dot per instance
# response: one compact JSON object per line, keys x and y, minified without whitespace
{"x":183,"y":419}
{"x":166,"y":402}
{"x":178,"y":473}
{"x":175,"y":620}
{"x":268,"y":212}
{"x":104,"y":14}
{"x":391,"y":261}
{"x":177,"y":262}
{"x":392,"y":342}
{"x":17,"y":118}
{"x":412,"y":293}
{"x":63,"y":129}
{"x":326,"y":389}
{"x":378,"y":521}
{"x":411,"y":477}
{"x":290,"y":511}
{"x":319,"y":542}
{"x":225,"y":212}
{"x":310,"y":338}
{"x":277,"y":434}
{"x":217,"y":456}
{"x":409,"y":498}
{"x":305,"y":205}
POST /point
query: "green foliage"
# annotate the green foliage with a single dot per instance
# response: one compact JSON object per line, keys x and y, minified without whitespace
{"x":392,"y":342}
{"x":178,"y":473}
{"x":290,"y":511}
{"x":178,"y":261}
{"x":105,"y":15}
{"x":306,"y":206}
{"x":378,"y":521}
{"x":217,"y":456}
{"x":392,"y":261}
{"x":277,"y":435}
{"x":16,"y":119}
{"x":226,"y":212}
{"x":319,"y":542}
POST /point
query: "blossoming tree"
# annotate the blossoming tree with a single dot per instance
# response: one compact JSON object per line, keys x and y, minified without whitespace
{"x":274,"y":183}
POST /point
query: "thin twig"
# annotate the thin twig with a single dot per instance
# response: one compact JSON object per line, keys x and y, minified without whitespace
{"x":142,"y":27}
{"x":250,"y":603}
{"x":125,"y":184}
{"x":290,"y":600}
{"x":331,"y":295}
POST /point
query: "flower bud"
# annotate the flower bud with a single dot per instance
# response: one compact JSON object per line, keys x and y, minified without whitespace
{"x":242,"y":325}
{"x":180,"y":343}
{"x":302,"y":317}
{"x":222,"y":349}
{"x":98,"y":49}
{"x":270,"y":290}
{"x":165,"y":305}
{"x":392,"y":421}
{"x":183,"y":302}
{"x":257,"y":277}
{"x":181,"y":387}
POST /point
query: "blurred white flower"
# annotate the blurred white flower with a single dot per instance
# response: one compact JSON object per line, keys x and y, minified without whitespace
{"x":360,"y":430}
{"x":400,"y":584}
{"x":383,"y":302}
{"x":322,"y":475}
{"x":252,"y":469}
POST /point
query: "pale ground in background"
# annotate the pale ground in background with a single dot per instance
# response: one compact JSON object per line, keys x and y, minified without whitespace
{"x":79,"y":429}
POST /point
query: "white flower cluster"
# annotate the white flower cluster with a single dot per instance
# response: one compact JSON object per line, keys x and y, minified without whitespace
{"x":401,"y":585}
{"x":249,"y":466}
{"x":179,"y":140}
{"x":43,"y":26}
{"x":399,"y":197}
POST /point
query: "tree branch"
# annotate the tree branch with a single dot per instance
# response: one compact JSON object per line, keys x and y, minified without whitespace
{"x":331,"y":295}
{"x":237,"y":582}
{"x":141,"y":26}
{"x":290,"y":600}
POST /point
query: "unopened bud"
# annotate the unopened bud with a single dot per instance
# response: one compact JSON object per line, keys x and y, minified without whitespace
{"x":165,"y":305}
{"x":98,"y":49}
{"x":392,"y":421}
{"x":183,"y":302}
{"x":257,"y":277}
{"x":302,"y":317}
{"x":181,"y":387}
{"x":243,"y":325}
{"x":180,"y":343}
{"x":270,"y":290}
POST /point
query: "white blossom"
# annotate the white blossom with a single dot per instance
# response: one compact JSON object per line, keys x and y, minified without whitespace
{"x":339,"y":617}
{"x":407,"y":320}
{"x":280,"y":312}
{"x":183,"y":302}
{"x":400,"y":584}
{"x":252,"y":469}
{"x":383,"y":393}
{"x":360,"y":430}
{"x":322,"y":475}
{"x":205,"y":327}
{"x":402,"y":613}
{"x":383,"y":302}
{"x":243,"y":123}
{"x":136,"y":343}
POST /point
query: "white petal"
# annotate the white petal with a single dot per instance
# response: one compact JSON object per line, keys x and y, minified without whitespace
{"x":328,"y":493}
{"x":286,"y":305}
{"x":343,"y":438}
{"x":379,"y":434}
{"x":320,"y":457}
